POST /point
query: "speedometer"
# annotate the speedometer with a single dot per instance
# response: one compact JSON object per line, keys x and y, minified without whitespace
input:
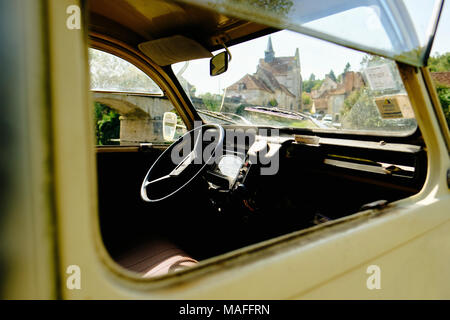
{"x":230,"y":165}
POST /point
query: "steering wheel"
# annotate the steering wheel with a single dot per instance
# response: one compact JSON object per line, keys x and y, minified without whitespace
{"x":179,"y":164}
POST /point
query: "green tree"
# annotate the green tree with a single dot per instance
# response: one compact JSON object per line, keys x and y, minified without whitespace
{"x":444,"y":96}
{"x":369,"y":60}
{"x":360,"y":111}
{"x":308,"y":85}
{"x":273,"y":103}
{"x":347,"y":67}
{"x":211,"y":101}
{"x":240,"y":110}
{"x":306,"y":99}
{"x":317,"y":84}
{"x":107,"y":124}
{"x":277,"y":6}
{"x":439,"y":62}
{"x":332,"y":75}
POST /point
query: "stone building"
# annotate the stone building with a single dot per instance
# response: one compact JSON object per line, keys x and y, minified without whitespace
{"x":329,"y":98}
{"x":276,"y":82}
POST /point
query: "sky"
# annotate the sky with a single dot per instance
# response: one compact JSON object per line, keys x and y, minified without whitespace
{"x":318,"y":56}
{"x":441,"y":42}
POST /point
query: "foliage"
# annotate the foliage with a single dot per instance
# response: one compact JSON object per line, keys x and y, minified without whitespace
{"x":273,"y":103}
{"x":306,"y":99}
{"x":211,"y":101}
{"x":311,"y":84}
{"x":347,"y":67}
{"x":439,"y":62}
{"x":360,"y":111}
{"x":277,"y":6}
{"x":240,"y":110}
{"x":332,"y":75}
{"x":444,"y":96}
{"x":317,"y":85}
{"x":107,"y":124}
{"x":369,"y":60}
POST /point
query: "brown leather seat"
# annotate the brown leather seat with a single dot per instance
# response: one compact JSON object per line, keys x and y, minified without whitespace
{"x":156,"y":257}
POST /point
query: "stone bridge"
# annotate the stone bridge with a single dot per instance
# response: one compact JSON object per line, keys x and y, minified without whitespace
{"x":140,"y":115}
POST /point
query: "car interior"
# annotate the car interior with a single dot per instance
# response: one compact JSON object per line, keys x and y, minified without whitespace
{"x":194,"y":212}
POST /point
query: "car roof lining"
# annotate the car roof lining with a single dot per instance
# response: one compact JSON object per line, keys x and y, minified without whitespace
{"x":138,"y":21}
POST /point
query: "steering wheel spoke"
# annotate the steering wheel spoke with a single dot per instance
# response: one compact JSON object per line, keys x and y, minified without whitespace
{"x":147,"y":183}
{"x":183,"y":165}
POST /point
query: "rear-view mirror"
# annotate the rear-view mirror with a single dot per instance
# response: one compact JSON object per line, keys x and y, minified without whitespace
{"x":219,"y":64}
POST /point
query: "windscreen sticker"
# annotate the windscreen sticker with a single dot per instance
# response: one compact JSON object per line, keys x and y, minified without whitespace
{"x":389,"y":108}
{"x":380,"y":77}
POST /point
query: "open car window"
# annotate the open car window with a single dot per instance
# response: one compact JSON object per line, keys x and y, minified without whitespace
{"x":111,"y":73}
{"x":290,"y":80}
{"x":129,"y":106}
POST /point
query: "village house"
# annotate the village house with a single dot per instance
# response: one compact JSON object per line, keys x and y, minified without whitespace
{"x":277,"y":82}
{"x":329,"y":98}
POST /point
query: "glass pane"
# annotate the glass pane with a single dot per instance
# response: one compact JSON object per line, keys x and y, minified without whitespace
{"x":290,"y":80}
{"x":111,"y":73}
{"x":398,"y":29}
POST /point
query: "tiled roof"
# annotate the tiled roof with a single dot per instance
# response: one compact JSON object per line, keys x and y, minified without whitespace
{"x":251,"y":83}
{"x":267,"y":75}
{"x":441,"y":77}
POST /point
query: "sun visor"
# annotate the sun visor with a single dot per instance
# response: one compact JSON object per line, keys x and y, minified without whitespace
{"x":170,"y":50}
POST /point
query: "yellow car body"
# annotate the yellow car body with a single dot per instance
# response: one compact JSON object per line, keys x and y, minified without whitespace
{"x":50,"y":221}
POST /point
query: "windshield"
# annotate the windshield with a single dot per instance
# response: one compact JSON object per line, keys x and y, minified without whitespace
{"x":291,"y":80}
{"x":399,"y":29}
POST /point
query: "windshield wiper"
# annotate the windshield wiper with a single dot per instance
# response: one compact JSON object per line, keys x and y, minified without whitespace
{"x":237,"y":116}
{"x":288,"y":114}
{"x":224,"y":116}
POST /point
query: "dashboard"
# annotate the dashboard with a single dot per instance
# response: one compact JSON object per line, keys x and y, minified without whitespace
{"x":228,"y":170}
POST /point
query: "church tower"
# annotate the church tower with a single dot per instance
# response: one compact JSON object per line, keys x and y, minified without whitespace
{"x":269,"y":54}
{"x":297,"y":80}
